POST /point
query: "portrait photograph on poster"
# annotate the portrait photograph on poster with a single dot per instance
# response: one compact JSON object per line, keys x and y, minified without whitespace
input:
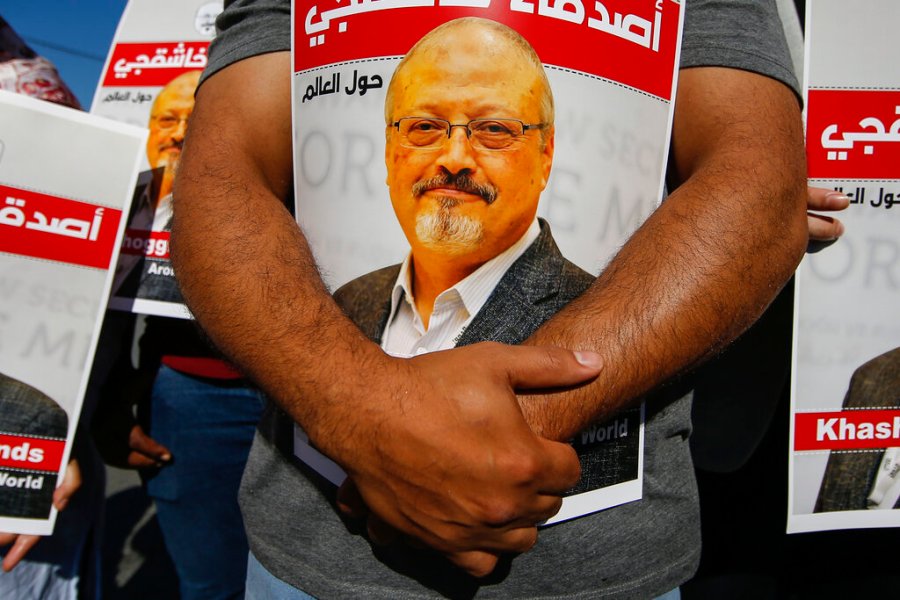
{"x":468,"y":173}
{"x":65,"y":181}
{"x":149,"y":80}
{"x":845,"y":427}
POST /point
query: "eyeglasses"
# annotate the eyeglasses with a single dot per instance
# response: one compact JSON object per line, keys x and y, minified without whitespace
{"x":169,"y":121}
{"x":426,"y":133}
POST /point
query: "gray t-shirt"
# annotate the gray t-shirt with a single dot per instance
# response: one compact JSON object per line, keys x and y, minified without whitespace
{"x":638,"y":550}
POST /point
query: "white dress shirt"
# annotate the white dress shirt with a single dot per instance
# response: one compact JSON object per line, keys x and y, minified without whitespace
{"x":405,"y":334}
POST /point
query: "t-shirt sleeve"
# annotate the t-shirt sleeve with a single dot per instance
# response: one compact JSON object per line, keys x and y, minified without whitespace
{"x":741,"y":34}
{"x":248,"y":28}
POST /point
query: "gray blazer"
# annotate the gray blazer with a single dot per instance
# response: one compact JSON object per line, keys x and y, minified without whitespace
{"x":534,"y":288}
{"x":849,"y":476}
{"x":26,"y":411}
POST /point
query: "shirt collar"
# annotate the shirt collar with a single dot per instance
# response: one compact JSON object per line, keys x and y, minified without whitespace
{"x":475,"y":289}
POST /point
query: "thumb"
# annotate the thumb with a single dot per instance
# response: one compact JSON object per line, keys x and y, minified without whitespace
{"x":146,"y":445}
{"x":18,"y":550}
{"x":70,"y":484}
{"x":536,"y":367}
{"x":476,"y":563}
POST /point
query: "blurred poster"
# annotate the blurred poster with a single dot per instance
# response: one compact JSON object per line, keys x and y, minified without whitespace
{"x":151,"y":73}
{"x":66,"y":178}
{"x":418,"y":180}
{"x":845,"y":459}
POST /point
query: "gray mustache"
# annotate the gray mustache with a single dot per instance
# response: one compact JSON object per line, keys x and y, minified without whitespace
{"x":460,"y":181}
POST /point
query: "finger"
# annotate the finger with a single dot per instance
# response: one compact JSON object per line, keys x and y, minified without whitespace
{"x":350,"y":501}
{"x":513,"y":539}
{"x":136,"y":460}
{"x":563,"y":470}
{"x":824,"y":229}
{"x":7,"y":538}
{"x":380,"y":533}
{"x":70,"y":484}
{"x":146,"y":445}
{"x":19,"y":549}
{"x":826,"y":199}
{"x":474,"y":562}
{"x":532,"y":367}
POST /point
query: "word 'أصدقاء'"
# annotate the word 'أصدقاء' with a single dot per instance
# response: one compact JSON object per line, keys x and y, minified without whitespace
{"x":629,"y":27}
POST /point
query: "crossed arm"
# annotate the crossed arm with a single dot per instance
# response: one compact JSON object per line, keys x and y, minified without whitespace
{"x":446,"y":456}
{"x":695,"y":275}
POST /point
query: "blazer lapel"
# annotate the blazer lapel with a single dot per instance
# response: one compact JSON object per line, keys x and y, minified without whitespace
{"x":524,"y":298}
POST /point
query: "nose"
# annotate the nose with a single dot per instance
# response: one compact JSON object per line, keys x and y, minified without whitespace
{"x":457,"y":154}
{"x":180,"y":130}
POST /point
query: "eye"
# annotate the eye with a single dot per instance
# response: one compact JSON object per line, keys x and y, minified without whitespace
{"x":426,"y":126}
{"x":494,"y":128}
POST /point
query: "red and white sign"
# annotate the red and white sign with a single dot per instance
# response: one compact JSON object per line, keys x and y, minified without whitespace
{"x":31,"y":453}
{"x":853,"y":134}
{"x":65,"y":178}
{"x":632,"y":42}
{"x":845,"y":404}
{"x":153,"y":64}
{"x":60,"y":229}
{"x":847,"y":430}
{"x":142,"y":242}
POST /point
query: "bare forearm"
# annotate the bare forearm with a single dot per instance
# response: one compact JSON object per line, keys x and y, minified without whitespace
{"x":704,"y":265}
{"x":436,"y":444}
{"x":243,"y":264}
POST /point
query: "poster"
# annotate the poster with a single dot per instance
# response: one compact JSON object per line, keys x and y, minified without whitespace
{"x":561,"y":108}
{"x":152,"y":70}
{"x":845,"y":429}
{"x":65,"y":179}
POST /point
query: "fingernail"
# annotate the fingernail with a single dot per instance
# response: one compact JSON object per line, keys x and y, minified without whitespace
{"x":166,"y":457}
{"x":839,"y":229}
{"x":837,"y":199}
{"x":589,"y":359}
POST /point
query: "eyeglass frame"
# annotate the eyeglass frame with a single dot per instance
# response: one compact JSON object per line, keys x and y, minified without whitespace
{"x":177,"y":121}
{"x":525,"y":128}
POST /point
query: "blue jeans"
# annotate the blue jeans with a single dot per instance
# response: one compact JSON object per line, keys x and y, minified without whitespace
{"x":209,"y":428}
{"x":262,"y":585}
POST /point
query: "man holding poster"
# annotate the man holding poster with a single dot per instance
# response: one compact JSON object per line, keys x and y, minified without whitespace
{"x":437,"y":444}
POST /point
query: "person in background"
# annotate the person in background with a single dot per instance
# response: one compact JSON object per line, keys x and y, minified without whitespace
{"x":24,"y":71}
{"x":180,"y":415}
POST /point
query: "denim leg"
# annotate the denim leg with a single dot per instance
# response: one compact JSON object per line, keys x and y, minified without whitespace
{"x":262,"y":585}
{"x":209,"y":429}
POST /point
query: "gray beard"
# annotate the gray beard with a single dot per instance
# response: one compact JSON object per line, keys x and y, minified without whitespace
{"x":447,"y":231}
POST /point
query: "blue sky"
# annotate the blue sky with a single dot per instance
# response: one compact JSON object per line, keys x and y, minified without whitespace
{"x":74,"y":34}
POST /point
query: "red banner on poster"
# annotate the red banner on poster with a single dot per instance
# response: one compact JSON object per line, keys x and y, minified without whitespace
{"x":847,"y":430}
{"x":31,"y":453}
{"x":852,"y":134}
{"x":631,"y":42}
{"x":43,"y":226}
{"x":141,"y":242}
{"x":154,"y":63}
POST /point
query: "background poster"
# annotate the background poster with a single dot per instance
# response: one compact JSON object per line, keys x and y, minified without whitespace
{"x":611,"y":67}
{"x":149,"y":80}
{"x":65,"y":179}
{"x":846,"y":401}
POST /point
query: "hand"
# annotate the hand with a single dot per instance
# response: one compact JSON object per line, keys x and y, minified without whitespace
{"x":144,"y":451}
{"x":824,"y":229}
{"x":455,"y":466}
{"x":22,"y":543}
{"x":123,"y":443}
